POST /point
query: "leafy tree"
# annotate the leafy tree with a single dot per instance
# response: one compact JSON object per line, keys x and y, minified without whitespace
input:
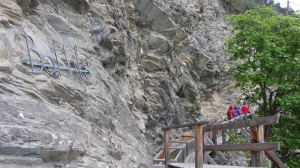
{"x":266,"y":51}
{"x":286,"y":134}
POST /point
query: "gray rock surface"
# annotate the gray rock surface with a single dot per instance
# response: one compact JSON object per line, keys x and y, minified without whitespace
{"x":153,"y":63}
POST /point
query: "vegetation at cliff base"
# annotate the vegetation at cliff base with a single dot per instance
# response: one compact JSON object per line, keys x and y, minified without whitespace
{"x":266,"y":50}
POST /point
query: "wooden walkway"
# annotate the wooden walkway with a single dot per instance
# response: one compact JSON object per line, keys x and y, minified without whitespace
{"x":212,"y":140}
{"x":192,"y":165}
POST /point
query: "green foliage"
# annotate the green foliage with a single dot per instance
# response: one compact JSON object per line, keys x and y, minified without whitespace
{"x":289,"y":141}
{"x":266,"y":49}
{"x":230,"y":134}
{"x":80,"y":110}
{"x":234,"y":138}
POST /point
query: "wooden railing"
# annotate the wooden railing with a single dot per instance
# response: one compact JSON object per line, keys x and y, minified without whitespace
{"x":198,"y":140}
{"x":257,"y":146}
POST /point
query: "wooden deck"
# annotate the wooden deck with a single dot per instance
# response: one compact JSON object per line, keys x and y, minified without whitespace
{"x":192,"y":165}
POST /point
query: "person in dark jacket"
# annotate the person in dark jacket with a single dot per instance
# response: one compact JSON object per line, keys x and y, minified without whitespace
{"x":238,"y":111}
{"x":231,"y":113}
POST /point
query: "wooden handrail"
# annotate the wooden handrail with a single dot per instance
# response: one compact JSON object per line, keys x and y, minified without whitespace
{"x":244,"y":147}
{"x":185,"y":125}
{"x":247,"y":123}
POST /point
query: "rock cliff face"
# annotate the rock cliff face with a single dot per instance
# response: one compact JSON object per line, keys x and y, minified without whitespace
{"x":138,"y":65}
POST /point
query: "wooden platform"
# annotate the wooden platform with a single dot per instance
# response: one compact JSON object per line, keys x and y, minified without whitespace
{"x":192,"y":165}
{"x":180,"y":153}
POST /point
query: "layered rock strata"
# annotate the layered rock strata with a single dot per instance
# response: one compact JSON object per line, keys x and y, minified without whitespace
{"x":90,"y":83}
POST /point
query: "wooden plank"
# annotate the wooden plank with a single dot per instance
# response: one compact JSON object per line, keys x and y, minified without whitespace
{"x":275,"y":159}
{"x":185,"y":125}
{"x":245,"y":132}
{"x":221,"y":156}
{"x":175,"y":147}
{"x":243,"y":147}
{"x":191,"y":165}
{"x":175,"y":141}
{"x":209,"y":142}
{"x":254,"y":133}
{"x":210,"y":160}
{"x":188,"y":136}
{"x":253,"y":161}
{"x":199,"y":147}
{"x":249,"y":115}
{"x":260,"y":139}
{"x":218,"y":153}
{"x":167,"y":147}
{"x":245,"y":123}
{"x":253,"y":138}
{"x":215,"y":141}
{"x":160,"y":154}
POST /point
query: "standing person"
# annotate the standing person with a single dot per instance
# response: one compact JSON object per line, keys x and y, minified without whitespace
{"x":231,"y":113}
{"x":245,"y":109}
{"x":237,"y":110}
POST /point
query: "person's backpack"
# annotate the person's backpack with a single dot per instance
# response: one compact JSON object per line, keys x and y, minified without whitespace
{"x":229,"y":114}
{"x":237,"y":111}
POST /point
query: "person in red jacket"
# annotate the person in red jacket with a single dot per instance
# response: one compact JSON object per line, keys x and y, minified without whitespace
{"x":245,"y":109}
{"x":231,"y":113}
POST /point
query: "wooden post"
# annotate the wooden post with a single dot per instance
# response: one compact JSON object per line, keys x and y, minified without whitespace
{"x":199,"y":147}
{"x":215,"y":141}
{"x":253,"y":153}
{"x":167,"y":147}
{"x":260,"y":139}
